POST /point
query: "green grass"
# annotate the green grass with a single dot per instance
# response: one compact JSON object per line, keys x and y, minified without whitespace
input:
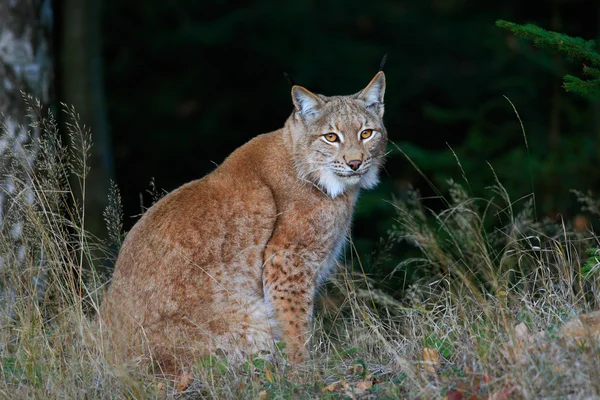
{"x":487,"y":269}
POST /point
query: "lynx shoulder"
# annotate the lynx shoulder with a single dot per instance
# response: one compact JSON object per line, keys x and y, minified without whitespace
{"x":231,"y":262}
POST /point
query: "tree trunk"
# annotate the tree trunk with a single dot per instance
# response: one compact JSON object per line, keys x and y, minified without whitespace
{"x":25,"y":66}
{"x":81,"y":85}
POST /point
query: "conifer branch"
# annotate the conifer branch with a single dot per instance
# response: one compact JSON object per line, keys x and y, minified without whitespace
{"x":574,"y":48}
{"x":585,"y":87}
{"x":591,"y":72}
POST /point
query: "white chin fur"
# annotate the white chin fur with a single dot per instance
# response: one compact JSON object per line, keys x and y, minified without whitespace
{"x":370,"y":179}
{"x":332,"y":184}
{"x":335,"y":185}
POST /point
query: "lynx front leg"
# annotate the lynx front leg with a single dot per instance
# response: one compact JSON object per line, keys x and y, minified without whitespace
{"x":289,"y":285}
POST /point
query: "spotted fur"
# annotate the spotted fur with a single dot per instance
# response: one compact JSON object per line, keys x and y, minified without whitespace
{"x":231,"y":262}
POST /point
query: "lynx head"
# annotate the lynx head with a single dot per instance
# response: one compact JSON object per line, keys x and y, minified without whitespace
{"x":338,"y":142}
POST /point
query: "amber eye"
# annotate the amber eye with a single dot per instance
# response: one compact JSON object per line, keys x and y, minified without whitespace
{"x":331,"y":137}
{"x":366,"y":133}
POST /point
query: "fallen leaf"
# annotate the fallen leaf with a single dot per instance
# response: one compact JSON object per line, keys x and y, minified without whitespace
{"x":522,"y":332}
{"x":185,"y":380}
{"x":268,"y":375}
{"x":431,"y":360}
{"x":515,"y":348}
{"x":454,"y":395}
{"x":332,"y":387}
{"x":356,"y":369}
{"x":364,"y":385}
{"x":585,"y":326}
{"x":336,"y":387}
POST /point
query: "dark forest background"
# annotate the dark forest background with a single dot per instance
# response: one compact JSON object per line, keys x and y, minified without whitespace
{"x":180,"y":85}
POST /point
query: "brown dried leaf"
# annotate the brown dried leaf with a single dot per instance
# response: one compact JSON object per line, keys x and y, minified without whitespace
{"x":454,"y":395}
{"x":364,"y":385}
{"x":586,"y":326}
{"x":355,"y":369}
{"x":185,"y":380}
{"x":522,"y":333}
{"x":431,"y":360}
{"x":514,"y":349}
{"x":336,"y":387}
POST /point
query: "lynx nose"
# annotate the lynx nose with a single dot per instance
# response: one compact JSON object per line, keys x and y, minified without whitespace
{"x":354,"y":164}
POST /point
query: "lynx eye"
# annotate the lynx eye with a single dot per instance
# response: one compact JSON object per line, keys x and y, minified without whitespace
{"x":367,"y":133}
{"x":331,"y":137}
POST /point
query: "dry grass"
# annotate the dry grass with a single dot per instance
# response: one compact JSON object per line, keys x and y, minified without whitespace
{"x":482,"y":320}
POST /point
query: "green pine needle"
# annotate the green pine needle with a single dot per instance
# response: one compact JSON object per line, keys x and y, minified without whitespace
{"x":573,"y":48}
{"x":584,"y":87}
{"x":591,"y":72}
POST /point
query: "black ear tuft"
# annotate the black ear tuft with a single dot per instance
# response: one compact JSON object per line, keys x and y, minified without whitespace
{"x":383,"y":61}
{"x":289,"y":78}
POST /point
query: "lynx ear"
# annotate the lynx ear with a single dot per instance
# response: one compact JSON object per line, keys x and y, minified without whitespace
{"x":306,"y":103}
{"x":373,"y":93}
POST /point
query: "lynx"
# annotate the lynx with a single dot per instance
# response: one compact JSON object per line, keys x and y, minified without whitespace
{"x":230,"y":263}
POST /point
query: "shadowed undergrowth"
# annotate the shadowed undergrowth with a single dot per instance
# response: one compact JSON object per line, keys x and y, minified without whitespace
{"x":488,"y":310}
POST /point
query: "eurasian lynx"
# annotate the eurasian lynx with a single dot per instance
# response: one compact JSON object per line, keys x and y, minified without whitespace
{"x":232,"y":261}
